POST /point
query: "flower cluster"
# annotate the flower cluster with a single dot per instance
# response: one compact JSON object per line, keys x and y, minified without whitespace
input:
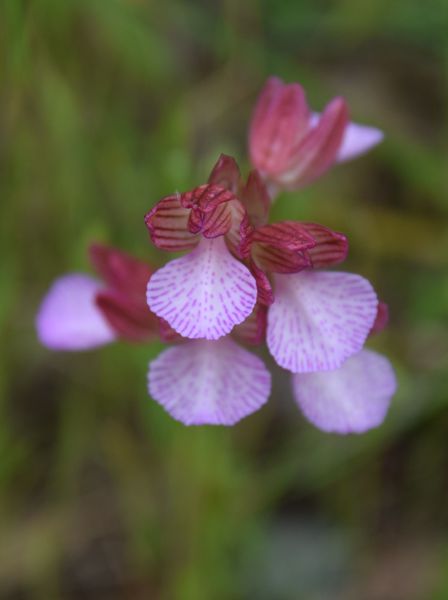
{"x":243,"y":281}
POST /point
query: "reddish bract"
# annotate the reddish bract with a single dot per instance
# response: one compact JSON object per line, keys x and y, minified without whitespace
{"x":123,"y":301}
{"x":382,"y":318}
{"x":226,"y":173}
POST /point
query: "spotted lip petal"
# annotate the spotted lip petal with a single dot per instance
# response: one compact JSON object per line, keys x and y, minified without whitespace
{"x":209,"y":383}
{"x":351,"y":399}
{"x":319,"y":319}
{"x":68,"y":318}
{"x":203,"y":294}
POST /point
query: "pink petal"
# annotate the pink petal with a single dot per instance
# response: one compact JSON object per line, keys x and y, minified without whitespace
{"x":319,"y":319}
{"x":209,"y":383}
{"x":351,"y":399}
{"x":68,"y":318}
{"x":318,"y":150}
{"x":205,"y":293}
{"x":357,"y":140}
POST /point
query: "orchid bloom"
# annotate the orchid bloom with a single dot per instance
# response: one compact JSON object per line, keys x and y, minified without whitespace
{"x":208,"y":291}
{"x":197,"y":382}
{"x":243,"y":279}
{"x":292,"y":146}
{"x":81,"y":312}
{"x":315,"y":322}
{"x":317,"y":325}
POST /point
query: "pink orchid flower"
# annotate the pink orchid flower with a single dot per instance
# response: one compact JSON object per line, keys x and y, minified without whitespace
{"x":81,"y":312}
{"x":208,"y":291}
{"x":259,"y":281}
{"x":292,"y":146}
{"x":197,"y":382}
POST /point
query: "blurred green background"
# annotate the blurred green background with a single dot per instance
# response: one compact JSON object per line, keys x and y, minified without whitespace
{"x":107,"y":105}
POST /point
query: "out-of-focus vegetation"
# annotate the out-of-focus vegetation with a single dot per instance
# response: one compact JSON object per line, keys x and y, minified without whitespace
{"x":105,"y":106}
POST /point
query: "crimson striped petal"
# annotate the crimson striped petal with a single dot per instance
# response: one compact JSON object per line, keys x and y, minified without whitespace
{"x":318,"y":150}
{"x":254,"y":195}
{"x":167,"y":223}
{"x":132,"y":321}
{"x":210,"y":214}
{"x":282,"y":247}
{"x":265,"y":295}
{"x":226,"y":173}
{"x":331,"y":247}
{"x":279,"y":122}
{"x":239,"y":236}
{"x":120,"y":270}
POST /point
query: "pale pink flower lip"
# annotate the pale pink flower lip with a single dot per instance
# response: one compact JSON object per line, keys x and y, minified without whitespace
{"x":352,"y":399}
{"x":68,"y":318}
{"x":319,"y":319}
{"x":203,"y":294}
{"x":215,"y":383}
